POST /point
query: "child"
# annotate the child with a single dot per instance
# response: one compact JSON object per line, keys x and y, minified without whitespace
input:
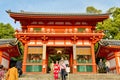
{"x":68,"y":71}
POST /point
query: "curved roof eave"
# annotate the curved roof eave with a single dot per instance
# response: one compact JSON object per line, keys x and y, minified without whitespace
{"x":58,"y":13}
{"x":11,"y":42}
{"x":36,"y":15}
{"x":109,"y":42}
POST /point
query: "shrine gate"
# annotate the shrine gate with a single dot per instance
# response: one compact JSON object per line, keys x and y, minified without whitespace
{"x":47,"y":36}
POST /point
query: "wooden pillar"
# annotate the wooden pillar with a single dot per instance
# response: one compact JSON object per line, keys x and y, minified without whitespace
{"x":44,"y":67}
{"x":71,"y":61}
{"x":0,"y":57}
{"x":25,"y":57}
{"x":47,"y":60}
{"x":117,"y":62}
{"x":93,"y":58}
{"x":74,"y":59}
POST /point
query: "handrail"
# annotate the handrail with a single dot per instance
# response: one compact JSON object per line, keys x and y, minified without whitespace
{"x":95,"y":31}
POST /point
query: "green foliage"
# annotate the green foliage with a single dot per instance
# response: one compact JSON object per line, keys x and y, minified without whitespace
{"x":111,"y":10}
{"x":21,"y":48}
{"x":96,"y":47}
{"x":111,"y":26}
{"x":91,"y":9}
{"x":19,"y":58}
{"x":6,"y":31}
{"x":116,"y":12}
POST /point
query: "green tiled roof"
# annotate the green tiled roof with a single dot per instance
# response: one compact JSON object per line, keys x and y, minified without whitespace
{"x":12,"y":42}
{"x":109,"y":42}
{"x":56,"y":13}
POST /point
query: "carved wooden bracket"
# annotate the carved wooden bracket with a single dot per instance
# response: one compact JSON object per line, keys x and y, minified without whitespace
{"x":24,"y":39}
{"x":94,"y":39}
{"x":44,"y":38}
{"x":74,"y":39}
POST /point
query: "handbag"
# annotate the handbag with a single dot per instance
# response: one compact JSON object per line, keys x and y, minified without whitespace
{"x":65,"y":73}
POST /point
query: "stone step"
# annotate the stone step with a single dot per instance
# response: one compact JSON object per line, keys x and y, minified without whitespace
{"x":71,"y":77}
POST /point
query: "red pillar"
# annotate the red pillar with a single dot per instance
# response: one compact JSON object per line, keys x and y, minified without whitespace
{"x":0,"y":57}
{"x":93,"y":58}
{"x":46,"y":61}
{"x":74,"y":66}
{"x":74,"y":59}
{"x":117,"y":65}
{"x":71,"y":61}
{"x":44,"y":66}
{"x":25,"y":58}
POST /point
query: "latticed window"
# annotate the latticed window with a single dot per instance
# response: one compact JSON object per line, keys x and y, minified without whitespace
{"x":84,"y":59}
{"x":34,"y":59}
{"x":81,"y":29}
{"x":37,"y":29}
{"x":35,"y":50}
{"x":83,"y":54}
{"x":34,"y":54}
{"x":83,"y":50}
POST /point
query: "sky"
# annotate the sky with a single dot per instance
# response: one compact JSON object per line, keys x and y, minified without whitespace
{"x":65,"y":6}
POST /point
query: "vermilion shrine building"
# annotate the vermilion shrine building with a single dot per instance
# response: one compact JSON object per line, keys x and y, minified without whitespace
{"x":47,"y":36}
{"x":110,"y":49}
{"x":8,"y":48}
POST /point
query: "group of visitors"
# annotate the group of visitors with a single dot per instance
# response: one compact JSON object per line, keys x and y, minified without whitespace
{"x":103,"y":67}
{"x":11,"y":74}
{"x":60,"y":68}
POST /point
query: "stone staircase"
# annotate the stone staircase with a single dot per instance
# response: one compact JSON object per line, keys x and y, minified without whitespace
{"x":71,"y":77}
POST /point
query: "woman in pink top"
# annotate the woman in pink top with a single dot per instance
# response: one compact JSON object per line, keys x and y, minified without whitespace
{"x":63,"y":69}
